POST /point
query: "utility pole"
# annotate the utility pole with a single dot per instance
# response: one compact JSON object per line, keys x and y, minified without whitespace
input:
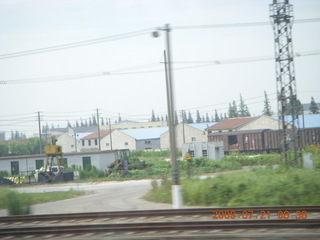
{"x":110,"y":134}
{"x":177,"y":201}
{"x":39,"y":124}
{"x":98,"y":130}
{"x":281,"y":15}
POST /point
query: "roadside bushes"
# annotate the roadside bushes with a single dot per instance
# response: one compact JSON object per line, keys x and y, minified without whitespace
{"x":16,"y":203}
{"x":257,"y":187}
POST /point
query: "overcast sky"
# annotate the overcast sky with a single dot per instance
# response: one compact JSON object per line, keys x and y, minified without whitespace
{"x":123,"y":72}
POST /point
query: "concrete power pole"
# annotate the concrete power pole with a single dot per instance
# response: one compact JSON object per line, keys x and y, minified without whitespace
{"x":281,"y":15}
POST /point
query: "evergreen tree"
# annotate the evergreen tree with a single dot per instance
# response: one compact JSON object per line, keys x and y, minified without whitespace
{"x":90,"y":121}
{"x":221,"y":117}
{"x":296,"y":104}
{"x":243,"y":109}
{"x":158,"y":119}
{"x":102,"y":122}
{"x":233,"y":110}
{"x":190,"y":119}
{"x":119,"y":119}
{"x":77,"y":124}
{"x":225,"y":116}
{"x":313,"y":107}
{"x":94,"y":120}
{"x":198,"y":120}
{"x":162,"y":120}
{"x":86,"y":123}
{"x":207,"y":118}
{"x":69,"y":125}
{"x":81,"y":122}
{"x":184,"y":116}
{"x":153,"y":117}
{"x":267,"y":108}
{"x":216,"y":116}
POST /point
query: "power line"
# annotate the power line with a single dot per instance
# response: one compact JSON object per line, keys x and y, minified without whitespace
{"x":232,"y":25}
{"x":199,"y":64}
{"x":135,"y":34}
{"x":76,"y":44}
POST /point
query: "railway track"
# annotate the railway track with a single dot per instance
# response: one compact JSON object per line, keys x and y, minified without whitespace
{"x":167,"y":224}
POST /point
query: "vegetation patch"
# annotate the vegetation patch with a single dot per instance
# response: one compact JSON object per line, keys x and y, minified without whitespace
{"x":20,"y":203}
{"x":257,"y":187}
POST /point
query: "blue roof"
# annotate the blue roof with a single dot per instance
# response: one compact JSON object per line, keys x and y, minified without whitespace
{"x":202,"y":126}
{"x":306,"y":121}
{"x":145,"y":133}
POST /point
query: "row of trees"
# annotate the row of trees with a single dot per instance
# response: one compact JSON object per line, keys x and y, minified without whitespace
{"x":234,"y":111}
{"x":14,"y":148}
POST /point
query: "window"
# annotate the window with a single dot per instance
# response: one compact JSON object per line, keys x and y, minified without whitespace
{"x":82,"y":142}
{"x":96,"y":142}
{"x":204,"y":153}
{"x":147,"y":142}
{"x":191,"y":153}
{"x":193,"y":139}
{"x":15,"y":168}
{"x":126,"y":143}
{"x":89,"y":142}
{"x":72,"y":145}
{"x":39,"y":163}
{"x":107,"y":144}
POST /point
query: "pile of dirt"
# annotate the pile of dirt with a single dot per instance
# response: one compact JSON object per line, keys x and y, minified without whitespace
{"x":5,"y":181}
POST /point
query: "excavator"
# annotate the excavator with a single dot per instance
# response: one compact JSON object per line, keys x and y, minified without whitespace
{"x":50,"y":173}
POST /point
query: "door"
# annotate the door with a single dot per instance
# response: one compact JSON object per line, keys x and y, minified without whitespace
{"x":15,"y":168}
{"x":86,"y":163}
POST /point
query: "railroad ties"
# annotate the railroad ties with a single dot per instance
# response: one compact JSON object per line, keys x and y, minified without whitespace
{"x":290,"y":222}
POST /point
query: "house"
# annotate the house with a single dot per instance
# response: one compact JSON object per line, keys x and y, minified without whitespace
{"x":146,"y":138}
{"x":26,"y":164}
{"x":186,"y":133}
{"x":109,"y":140}
{"x":210,"y":150}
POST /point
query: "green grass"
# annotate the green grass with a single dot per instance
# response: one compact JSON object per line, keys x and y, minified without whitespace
{"x":9,"y":197}
{"x":258,"y":187}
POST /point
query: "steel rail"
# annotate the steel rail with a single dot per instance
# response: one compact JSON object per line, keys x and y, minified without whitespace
{"x":162,"y":226}
{"x":154,"y":213}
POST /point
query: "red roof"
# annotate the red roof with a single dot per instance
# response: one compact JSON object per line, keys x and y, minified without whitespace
{"x":231,"y":123}
{"x":95,"y":135}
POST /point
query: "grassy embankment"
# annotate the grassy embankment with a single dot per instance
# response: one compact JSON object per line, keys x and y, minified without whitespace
{"x":283,"y":185}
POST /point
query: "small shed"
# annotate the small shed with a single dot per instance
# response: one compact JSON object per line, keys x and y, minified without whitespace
{"x":211,"y":150}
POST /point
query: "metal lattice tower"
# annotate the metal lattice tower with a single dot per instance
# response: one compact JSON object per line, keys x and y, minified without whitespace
{"x":282,"y":18}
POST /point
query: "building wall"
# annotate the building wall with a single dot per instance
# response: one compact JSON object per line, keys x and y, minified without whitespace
{"x":184,"y":134}
{"x":27,"y":163}
{"x":211,"y":150}
{"x":68,"y":143}
{"x":120,"y":140}
{"x":148,"y":144}
{"x":263,"y":122}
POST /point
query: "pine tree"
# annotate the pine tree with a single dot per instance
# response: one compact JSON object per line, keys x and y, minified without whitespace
{"x":313,"y":107}
{"x":153,"y":116}
{"x":190,"y":119}
{"x":296,"y":104}
{"x":119,"y":119}
{"x":77,"y":124}
{"x":233,"y":110}
{"x":243,"y":109}
{"x":267,"y":108}
{"x":207,"y":118}
{"x":216,"y":116}
{"x":184,"y":116}
{"x":102,"y":121}
{"x":198,"y":120}
{"x":94,"y":120}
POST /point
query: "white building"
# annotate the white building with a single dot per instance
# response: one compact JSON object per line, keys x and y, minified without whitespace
{"x":211,"y":150}
{"x":26,"y":164}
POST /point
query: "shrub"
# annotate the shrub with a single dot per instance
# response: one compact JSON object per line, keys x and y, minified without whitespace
{"x":18,"y":203}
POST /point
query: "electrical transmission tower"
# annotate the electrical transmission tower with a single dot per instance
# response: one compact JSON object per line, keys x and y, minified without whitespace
{"x":282,"y":19}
